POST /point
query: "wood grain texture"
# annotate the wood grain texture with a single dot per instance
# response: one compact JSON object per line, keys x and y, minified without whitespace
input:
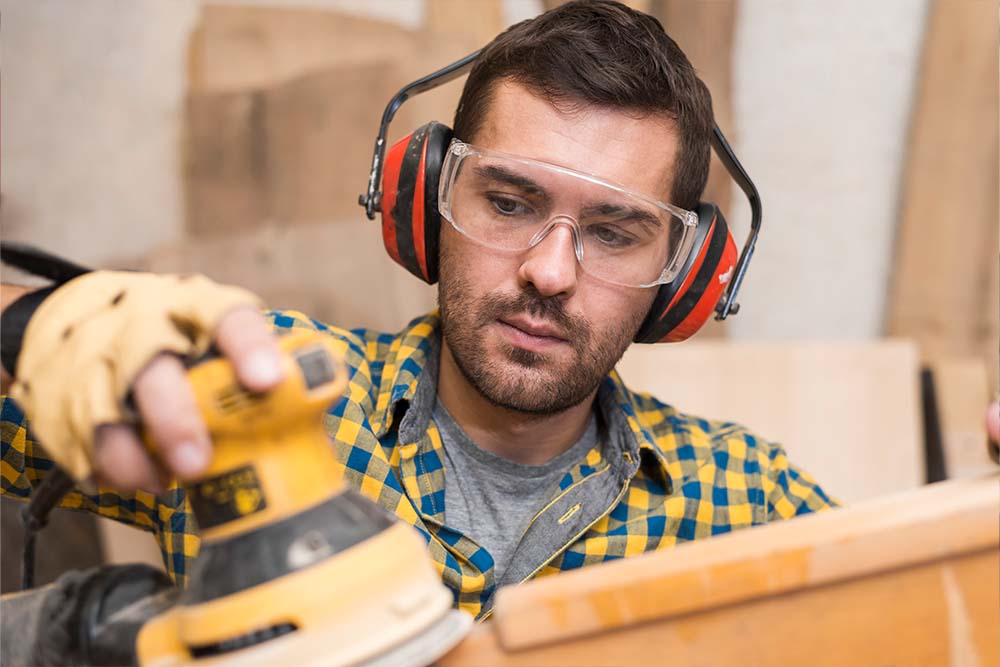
{"x":930,"y":615}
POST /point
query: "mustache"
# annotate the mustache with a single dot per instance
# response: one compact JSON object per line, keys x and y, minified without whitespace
{"x":497,"y":306}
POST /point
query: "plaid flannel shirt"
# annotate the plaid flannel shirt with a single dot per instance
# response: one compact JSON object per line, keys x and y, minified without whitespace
{"x":682,"y":478}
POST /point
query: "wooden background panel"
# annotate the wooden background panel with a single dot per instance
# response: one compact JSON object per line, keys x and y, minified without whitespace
{"x":846,"y":412}
{"x":944,"y":290}
{"x":238,"y":48}
{"x":283,"y":109}
{"x":307,"y":268}
{"x":962,"y":388}
{"x":704,"y":31}
{"x":282,"y":114}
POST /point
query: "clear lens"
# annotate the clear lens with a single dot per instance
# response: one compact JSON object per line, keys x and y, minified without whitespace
{"x":511,"y":203}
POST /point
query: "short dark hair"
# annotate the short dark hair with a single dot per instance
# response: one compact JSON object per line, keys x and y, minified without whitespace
{"x":602,"y":53}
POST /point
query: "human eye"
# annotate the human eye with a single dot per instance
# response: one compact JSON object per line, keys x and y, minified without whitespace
{"x":611,"y":236}
{"x":507,"y":205}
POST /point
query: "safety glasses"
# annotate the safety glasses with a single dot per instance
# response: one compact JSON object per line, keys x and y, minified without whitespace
{"x":512,"y":203}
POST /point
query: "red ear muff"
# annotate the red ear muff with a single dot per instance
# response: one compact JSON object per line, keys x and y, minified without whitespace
{"x":684,"y":305}
{"x":410,"y":219}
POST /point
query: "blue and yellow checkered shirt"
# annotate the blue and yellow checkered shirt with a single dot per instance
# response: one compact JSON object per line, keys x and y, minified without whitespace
{"x":678,"y":478}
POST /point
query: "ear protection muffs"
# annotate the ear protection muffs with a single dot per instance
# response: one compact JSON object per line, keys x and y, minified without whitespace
{"x":408,"y":201}
{"x":682,"y":306}
{"x":410,"y":219}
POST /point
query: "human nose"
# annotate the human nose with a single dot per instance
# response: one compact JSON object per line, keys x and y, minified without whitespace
{"x":550,"y":265}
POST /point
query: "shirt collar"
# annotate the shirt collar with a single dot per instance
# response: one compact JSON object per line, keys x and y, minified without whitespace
{"x":620,"y":407}
{"x":409,"y":388}
{"x":402,"y":368}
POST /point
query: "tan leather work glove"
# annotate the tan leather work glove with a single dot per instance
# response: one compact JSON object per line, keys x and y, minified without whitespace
{"x":88,"y":340}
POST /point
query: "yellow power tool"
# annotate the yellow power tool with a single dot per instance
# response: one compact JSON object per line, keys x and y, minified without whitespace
{"x":295,"y":568}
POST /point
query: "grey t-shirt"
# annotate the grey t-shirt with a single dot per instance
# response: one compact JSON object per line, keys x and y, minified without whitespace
{"x":491,"y":500}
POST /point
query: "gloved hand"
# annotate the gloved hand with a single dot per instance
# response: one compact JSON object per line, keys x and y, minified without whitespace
{"x":106,"y":337}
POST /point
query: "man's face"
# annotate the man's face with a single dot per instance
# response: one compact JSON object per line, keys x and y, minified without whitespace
{"x":529,"y":329}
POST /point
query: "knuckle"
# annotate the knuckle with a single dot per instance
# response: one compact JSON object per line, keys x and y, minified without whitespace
{"x":172,"y":424}
{"x":158,"y":379}
{"x":167,"y":406}
{"x":242,"y":327}
{"x":120,"y":458}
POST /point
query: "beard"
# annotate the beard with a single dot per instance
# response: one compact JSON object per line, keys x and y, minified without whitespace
{"x":522,"y":380}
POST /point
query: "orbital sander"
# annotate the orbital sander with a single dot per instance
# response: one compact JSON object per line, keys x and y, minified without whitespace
{"x":295,"y":568}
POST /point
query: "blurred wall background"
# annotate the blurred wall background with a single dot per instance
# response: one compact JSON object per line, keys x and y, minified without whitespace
{"x":823,"y":96}
{"x":232,"y":137}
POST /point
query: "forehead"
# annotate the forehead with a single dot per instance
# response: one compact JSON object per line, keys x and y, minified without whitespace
{"x":635,"y":151}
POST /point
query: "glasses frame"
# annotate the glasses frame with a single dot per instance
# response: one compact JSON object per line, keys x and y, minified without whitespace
{"x":459,"y":150}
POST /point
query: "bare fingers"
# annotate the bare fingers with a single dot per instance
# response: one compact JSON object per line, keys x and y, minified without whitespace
{"x":122,"y":461}
{"x":169,"y":413}
{"x":170,"y":416}
{"x":248,"y":341}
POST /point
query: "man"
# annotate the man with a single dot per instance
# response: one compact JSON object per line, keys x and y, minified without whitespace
{"x":498,"y":427}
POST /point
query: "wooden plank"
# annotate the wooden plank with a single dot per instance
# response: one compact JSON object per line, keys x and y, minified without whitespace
{"x":704,"y":31}
{"x":848,"y":413}
{"x":961,"y":387}
{"x":320,"y":129}
{"x":868,"y":539}
{"x":239,"y":47}
{"x":908,"y":579}
{"x":226,"y":167}
{"x":944,"y":286}
{"x":285,"y":105}
{"x":933,"y":614}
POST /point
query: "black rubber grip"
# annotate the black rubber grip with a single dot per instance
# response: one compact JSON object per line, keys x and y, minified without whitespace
{"x":14,"y":322}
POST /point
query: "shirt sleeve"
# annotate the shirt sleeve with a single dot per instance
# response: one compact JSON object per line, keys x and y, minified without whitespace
{"x":789,"y":490}
{"x":24,"y":464}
